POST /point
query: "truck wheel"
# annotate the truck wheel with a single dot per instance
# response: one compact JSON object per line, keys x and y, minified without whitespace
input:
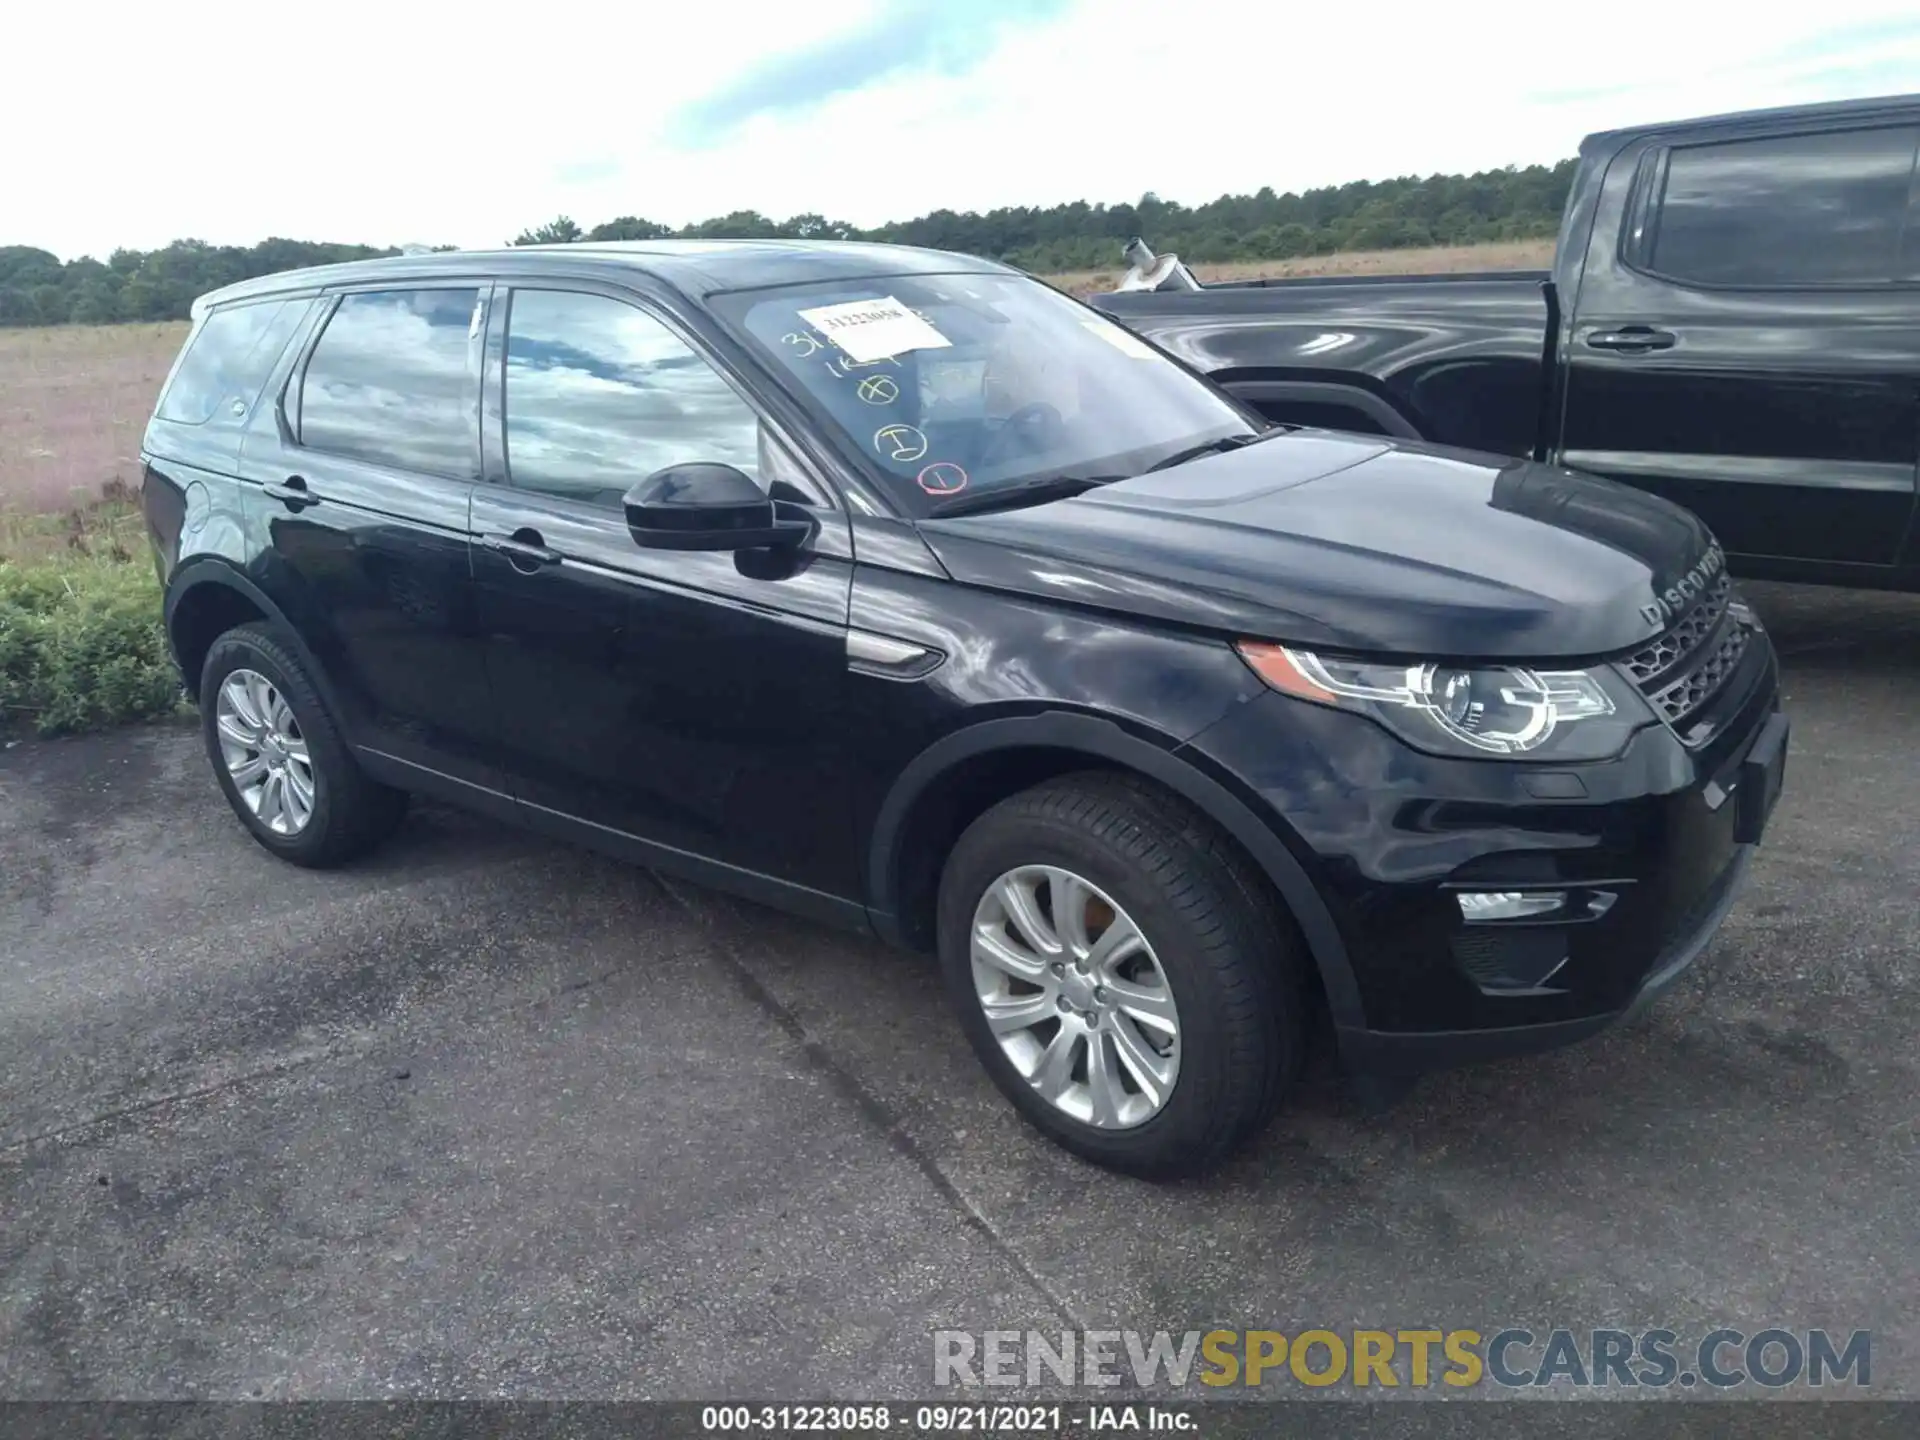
{"x":1120,"y":974}
{"x":279,"y":760}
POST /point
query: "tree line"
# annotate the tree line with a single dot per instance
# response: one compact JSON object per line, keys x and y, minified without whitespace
{"x":36,"y":288}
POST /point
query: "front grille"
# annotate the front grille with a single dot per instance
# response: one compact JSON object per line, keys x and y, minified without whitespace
{"x":1679,"y":700}
{"x":1648,"y":664}
{"x":1684,"y":668}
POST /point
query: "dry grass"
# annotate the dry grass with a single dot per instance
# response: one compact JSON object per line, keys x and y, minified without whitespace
{"x":77,"y":397}
{"x":1439,"y":259}
{"x":109,"y":526}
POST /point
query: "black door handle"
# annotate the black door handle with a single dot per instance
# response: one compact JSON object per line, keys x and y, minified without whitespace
{"x":524,"y":548}
{"x":293,"y":492}
{"x":1631,"y":339}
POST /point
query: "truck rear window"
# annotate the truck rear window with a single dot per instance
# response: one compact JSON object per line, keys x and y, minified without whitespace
{"x":228,"y":359}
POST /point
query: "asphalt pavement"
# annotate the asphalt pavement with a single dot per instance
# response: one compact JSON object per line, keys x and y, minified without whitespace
{"x":489,"y":1116}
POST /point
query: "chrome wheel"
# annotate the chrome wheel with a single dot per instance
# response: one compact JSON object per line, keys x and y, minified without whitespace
{"x":265,"y":754}
{"x":1075,"y":997}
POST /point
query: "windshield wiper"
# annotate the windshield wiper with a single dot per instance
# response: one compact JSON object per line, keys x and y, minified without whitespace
{"x":1061,"y":487}
{"x":1027,"y":492}
{"x":1209,"y":447}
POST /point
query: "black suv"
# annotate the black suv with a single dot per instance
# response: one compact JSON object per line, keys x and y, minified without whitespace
{"x":896,"y":588}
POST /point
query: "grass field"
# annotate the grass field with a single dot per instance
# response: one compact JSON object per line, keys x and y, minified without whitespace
{"x":77,"y":397}
{"x":76,"y":400}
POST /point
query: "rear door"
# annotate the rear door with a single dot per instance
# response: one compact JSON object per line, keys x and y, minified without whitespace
{"x":363,"y":485}
{"x":191,"y":450}
{"x":1746,"y":337}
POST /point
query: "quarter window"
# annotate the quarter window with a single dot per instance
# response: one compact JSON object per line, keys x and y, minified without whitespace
{"x":1823,"y":209}
{"x":229,"y":358}
{"x":599,"y":395}
{"x":395,"y":380}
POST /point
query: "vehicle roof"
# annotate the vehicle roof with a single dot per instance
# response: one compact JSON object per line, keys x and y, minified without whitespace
{"x":1826,"y":110}
{"x":694,"y":267}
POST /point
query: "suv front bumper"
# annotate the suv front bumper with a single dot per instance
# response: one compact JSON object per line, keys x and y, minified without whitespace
{"x":1402,"y":1052}
{"x":1390,"y":837}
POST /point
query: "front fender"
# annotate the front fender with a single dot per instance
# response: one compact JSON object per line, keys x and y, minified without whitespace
{"x":1166,"y":765}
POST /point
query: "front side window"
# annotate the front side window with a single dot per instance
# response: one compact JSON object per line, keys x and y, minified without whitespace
{"x":971,"y":382}
{"x":599,"y":395}
{"x":394,"y":380}
{"x":228,"y":360}
{"x":1823,"y":209}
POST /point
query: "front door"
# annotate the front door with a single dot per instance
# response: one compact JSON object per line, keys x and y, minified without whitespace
{"x":1746,"y":339}
{"x":688,"y":700}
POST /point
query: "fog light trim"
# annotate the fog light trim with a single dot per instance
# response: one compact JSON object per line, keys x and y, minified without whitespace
{"x":1483,"y":907}
{"x":1508,"y":907}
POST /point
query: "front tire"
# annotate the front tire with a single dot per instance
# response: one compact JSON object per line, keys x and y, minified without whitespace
{"x":1122,"y":973}
{"x":279,"y":759}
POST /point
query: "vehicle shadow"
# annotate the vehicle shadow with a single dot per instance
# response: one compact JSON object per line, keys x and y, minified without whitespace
{"x":437,"y":837}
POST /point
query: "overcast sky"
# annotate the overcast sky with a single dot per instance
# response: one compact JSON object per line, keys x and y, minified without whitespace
{"x":396,"y":122}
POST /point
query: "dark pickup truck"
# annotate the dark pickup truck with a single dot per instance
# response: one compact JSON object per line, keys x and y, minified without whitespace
{"x":1732,"y":321}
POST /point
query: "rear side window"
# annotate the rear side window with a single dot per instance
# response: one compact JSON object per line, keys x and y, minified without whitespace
{"x":1790,"y":210}
{"x":394,"y":379}
{"x":228,"y":360}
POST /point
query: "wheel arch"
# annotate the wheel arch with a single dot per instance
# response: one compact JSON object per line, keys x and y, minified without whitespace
{"x":935,"y":796}
{"x":208,"y":597}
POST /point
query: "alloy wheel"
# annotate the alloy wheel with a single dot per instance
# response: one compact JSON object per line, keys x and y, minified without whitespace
{"x":1074,"y":995}
{"x":265,"y":754}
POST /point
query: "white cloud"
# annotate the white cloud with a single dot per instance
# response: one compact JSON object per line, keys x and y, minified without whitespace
{"x":393,"y":123}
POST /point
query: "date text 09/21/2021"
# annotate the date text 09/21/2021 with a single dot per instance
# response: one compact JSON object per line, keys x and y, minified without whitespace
{"x":943,"y":1419}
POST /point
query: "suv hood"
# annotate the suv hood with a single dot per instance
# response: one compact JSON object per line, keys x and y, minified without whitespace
{"x":1357,"y":543}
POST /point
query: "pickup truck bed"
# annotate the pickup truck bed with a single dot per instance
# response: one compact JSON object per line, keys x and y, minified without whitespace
{"x":1458,"y":359}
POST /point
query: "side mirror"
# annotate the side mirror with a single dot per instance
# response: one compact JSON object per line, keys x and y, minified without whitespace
{"x":709,"y":507}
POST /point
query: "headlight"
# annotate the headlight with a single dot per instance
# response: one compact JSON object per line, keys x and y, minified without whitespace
{"x":1563,"y":715}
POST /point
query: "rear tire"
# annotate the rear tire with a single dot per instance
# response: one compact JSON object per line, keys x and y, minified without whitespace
{"x":1212,"y":936}
{"x":279,"y":759}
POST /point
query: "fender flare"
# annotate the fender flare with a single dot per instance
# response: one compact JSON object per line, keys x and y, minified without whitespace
{"x":1107,"y":740}
{"x":199,"y":573}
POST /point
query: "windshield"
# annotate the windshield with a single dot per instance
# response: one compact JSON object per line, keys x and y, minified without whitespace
{"x":975,"y":383}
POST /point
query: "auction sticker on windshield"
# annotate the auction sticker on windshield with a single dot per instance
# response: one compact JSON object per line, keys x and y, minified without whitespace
{"x":867,"y":330}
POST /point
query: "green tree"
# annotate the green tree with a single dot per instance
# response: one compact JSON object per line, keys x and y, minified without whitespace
{"x":628,"y":227}
{"x":141,"y":300}
{"x":52,"y":304}
{"x":559,"y":231}
{"x":740,"y":225}
{"x":95,"y":303}
{"x":27,"y":266}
